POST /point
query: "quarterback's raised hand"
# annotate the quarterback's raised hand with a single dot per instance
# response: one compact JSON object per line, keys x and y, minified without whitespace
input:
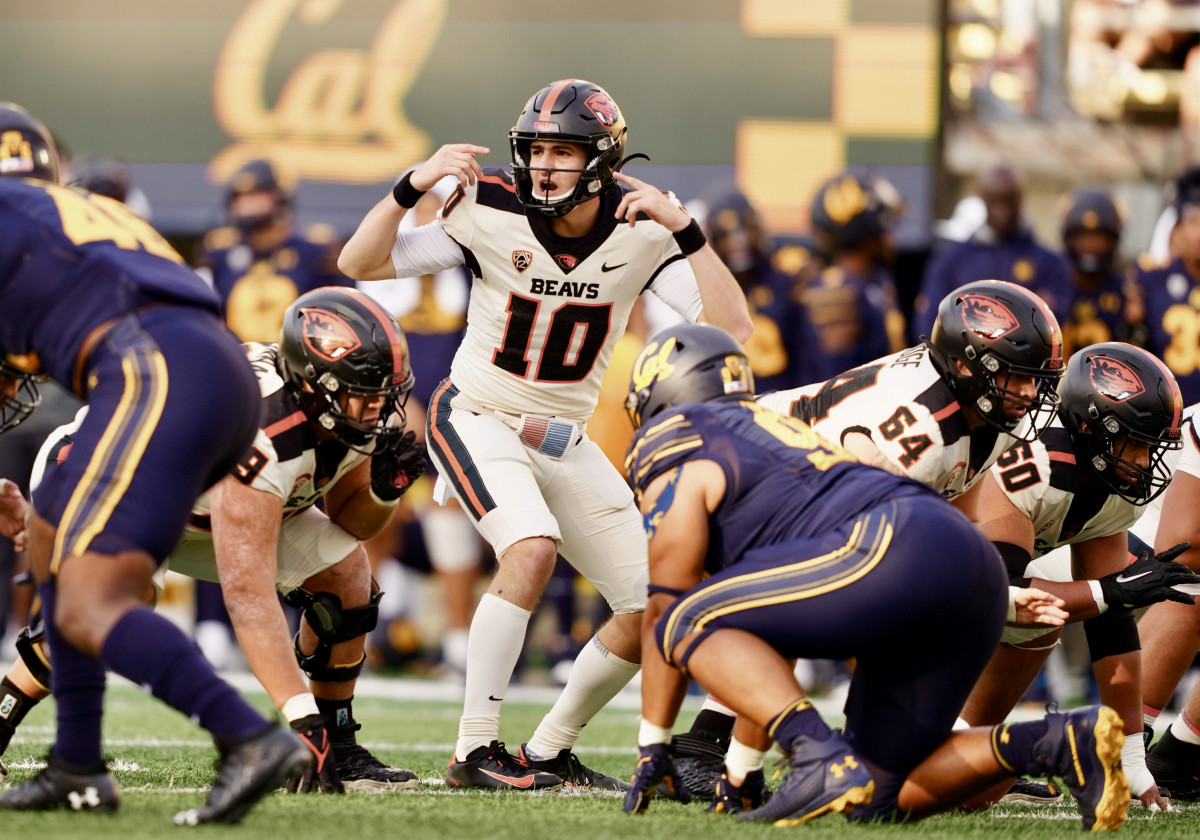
{"x":651,"y":201}
{"x":655,"y":773}
{"x":321,"y":776}
{"x":454,"y":159}
{"x":398,"y":462}
{"x":1150,"y":579}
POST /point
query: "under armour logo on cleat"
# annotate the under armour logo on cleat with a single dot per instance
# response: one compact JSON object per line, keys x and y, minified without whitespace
{"x":839,"y":770}
{"x":90,"y":798}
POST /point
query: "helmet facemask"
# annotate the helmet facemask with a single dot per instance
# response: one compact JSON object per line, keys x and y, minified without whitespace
{"x":344,"y":409}
{"x":1038,"y":411}
{"x":1111,"y":439}
{"x":596,"y":174}
{"x":19,"y":396}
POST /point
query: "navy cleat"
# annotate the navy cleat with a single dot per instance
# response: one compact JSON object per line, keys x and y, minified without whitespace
{"x":491,"y":766}
{"x":574,"y":774}
{"x":1083,"y":747}
{"x":1030,"y":792}
{"x":1176,"y":767}
{"x":732,"y":799}
{"x":826,"y":776}
{"x":248,"y":772}
{"x":57,"y":786}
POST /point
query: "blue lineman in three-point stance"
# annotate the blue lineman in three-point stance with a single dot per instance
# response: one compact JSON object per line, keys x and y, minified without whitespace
{"x":93,"y":298}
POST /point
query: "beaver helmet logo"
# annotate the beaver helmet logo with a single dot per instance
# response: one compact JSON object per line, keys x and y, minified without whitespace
{"x":987,"y":317}
{"x":327,"y":335}
{"x":522,"y":260}
{"x":1114,"y":379}
{"x":603,"y":109}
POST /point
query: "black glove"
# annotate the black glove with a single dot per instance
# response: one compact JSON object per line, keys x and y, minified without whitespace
{"x":655,"y":772}
{"x":398,"y":461}
{"x":321,"y":776}
{"x":1149,"y":579}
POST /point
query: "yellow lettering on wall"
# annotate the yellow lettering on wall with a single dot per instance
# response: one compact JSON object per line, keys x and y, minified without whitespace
{"x":339,"y":115}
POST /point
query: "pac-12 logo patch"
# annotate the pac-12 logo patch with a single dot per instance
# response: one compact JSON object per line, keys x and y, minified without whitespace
{"x":987,"y":317}
{"x":1114,"y":379}
{"x":327,"y":334}
{"x":522,"y":260}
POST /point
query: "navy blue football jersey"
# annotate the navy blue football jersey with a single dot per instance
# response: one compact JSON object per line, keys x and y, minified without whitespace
{"x":71,"y":260}
{"x":785,"y":481}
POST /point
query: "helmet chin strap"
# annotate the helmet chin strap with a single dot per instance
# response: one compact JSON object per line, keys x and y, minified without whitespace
{"x":626,"y":160}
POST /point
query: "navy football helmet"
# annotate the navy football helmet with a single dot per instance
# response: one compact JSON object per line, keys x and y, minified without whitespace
{"x":689,"y":363}
{"x":847,"y":210}
{"x":571,"y":111}
{"x":1115,"y":394}
{"x":258,"y":176}
{"x":1092,"y":210}
{"x":26,"y":147}
{"x":734,"y":229}
{"x":993,"y":327}
{"x":102,"y":175}
{"x":338,"y":343}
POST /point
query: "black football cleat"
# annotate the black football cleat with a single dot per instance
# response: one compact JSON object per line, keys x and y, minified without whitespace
{"x":826,"y":777}
{"x":361,"y":771}
{"x":573,"y":772}
{"x":247,"y":773}
{"x":491,"y":766}
{"x":58,"y":787}
{"x":1176,"y":767}
{"x":1030,"y":792}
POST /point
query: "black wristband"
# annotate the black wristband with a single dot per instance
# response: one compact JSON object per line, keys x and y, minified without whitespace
{"x":405,"y":194}
{"x":691,"y":239}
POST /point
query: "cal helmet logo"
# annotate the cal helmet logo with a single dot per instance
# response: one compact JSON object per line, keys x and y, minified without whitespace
{"x":652,"y":365}
{"x":987,"y":317}
{"x":522,"y":260}
{"x":1113,"y":379}
{"x":603,"y":109}
{"x":16,"y":154}
{"x":328,"y":335}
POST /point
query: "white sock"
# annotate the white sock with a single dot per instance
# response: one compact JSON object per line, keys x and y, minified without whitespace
{"x":497,"y":635}
{"x":596,"y":678}
{"x":741,"y":761}
{"x":1185,"y":730}
{"x":712,"y":704}
{"x":1150,"y":716}
{"x":960,"y":724}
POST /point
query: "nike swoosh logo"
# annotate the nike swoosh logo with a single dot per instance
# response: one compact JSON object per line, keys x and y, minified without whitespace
{"x":606,"y":267}
{"x":1126,"y":579}
{"x":515,"y":781}
{"x":501,"y":699}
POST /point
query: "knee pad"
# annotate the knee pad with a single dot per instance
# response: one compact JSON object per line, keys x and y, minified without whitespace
{"x":32,"y":650}
{"x":332,"y":623}
{"x":1111,"y":633}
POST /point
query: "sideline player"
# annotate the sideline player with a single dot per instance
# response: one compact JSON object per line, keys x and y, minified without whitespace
{"x":333,"y":393}
{"x":767,"y":542}
{"x":940,"y":413}
{"x":95,"y":299}
{"x":1083,"y":484}
{"x":560,"y":248}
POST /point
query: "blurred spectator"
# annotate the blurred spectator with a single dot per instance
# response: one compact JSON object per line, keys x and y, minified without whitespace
{"x":432,"y":311}
{"x":258,"y":265}
{"x":105,"y":175}
{"x":782,"y":344}
{"x":851,"y":304}
{"x":1002,"y":249}
{"x":1102,"y":298}
{"x":1171,"y":294}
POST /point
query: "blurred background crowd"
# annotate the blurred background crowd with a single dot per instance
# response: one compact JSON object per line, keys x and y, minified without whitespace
{"x":852,"y":162}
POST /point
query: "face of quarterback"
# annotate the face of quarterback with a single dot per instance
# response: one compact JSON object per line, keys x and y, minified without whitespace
{"x":556,"y":167}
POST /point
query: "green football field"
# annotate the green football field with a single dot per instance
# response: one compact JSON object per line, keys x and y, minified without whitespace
{"x":163,"y":764}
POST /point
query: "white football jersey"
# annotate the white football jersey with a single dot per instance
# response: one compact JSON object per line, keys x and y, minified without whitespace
{"x":910,"y":414}
{"x":545,"y":312}
{"x":285,"y":459}
{"x":1180,"y":460}
{"x":1041,"y":478}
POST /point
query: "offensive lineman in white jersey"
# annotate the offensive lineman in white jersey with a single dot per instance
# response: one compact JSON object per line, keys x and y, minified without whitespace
{"x":1083,"y":484}
{"x":560,"y":249}
{"x":333,"y":392}
{"x":940,"y":413}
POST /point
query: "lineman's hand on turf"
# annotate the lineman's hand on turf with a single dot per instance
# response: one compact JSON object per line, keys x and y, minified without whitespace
{"x":395,"y":466}
{"x":1029,"y":606}
{"x":655,"y":767}
{"x":321,"y":775}
{"x":1149,"y":579}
